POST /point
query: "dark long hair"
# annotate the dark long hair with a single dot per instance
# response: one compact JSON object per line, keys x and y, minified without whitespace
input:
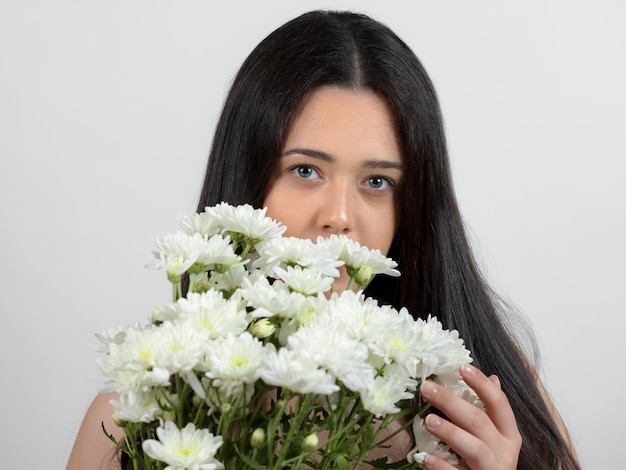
{"x":439,"y":273}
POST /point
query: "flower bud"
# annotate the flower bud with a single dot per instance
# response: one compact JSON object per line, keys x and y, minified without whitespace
{"x":310,"y":442}
{"x":340,"y":462}
{"x":226,"y":408}
{"x":169,"y":416}
{"x":363,"y":275}
{"x":154,"y":315}
{"x":197,"y":400}
{"x":262,"y":328}
{"x":258,"y":438}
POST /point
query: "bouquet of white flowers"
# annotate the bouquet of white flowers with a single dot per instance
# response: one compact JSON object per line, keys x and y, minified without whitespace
{"x":258,"y":364}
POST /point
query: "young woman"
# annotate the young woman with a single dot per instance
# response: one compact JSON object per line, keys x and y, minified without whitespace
{"x":333,"y":124}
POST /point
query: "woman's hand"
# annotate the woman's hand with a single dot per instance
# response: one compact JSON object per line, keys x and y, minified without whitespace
{"x":486,"y":440}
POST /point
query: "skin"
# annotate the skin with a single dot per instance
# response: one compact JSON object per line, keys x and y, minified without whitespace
{"x":92,"y":448}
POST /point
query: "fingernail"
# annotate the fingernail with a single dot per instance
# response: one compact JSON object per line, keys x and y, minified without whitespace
{"x":497,"y":380}
{"x":428,"y":389}
{"x":468,"y":370}
{"x":432,"y":421}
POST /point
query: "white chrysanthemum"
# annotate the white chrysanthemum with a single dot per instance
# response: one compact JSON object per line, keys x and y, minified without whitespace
{"x":149,"y":357}
{"x":179,"y":347}
{"x":177,"y":253}
{"x":291,"y":251}
{"x":216,"y":251}
{"x":230,"y":280}
{"x":180,"y":252}
{"x":356,"y":256}
{"x":297,"y":372}
{"x":441,"y":352}
{"x":236,"y":358}
{"x":234,"y":365}
{"x":426,"y":443}
{"x":137,"y":407}
{"x":332,"y":349}
{"x":398,"y":343}
{"x":163,"y":313}
{"x":184,"y":449}
{"x":201,"y":223}
{"x":268,"y":300}
{"x":132,"y":364}
{"x":305,"y":281}
{"x":360,"y":317}
{"x":212,"y":313}
{"x":245,"y":220}
{"x":383,"y":395}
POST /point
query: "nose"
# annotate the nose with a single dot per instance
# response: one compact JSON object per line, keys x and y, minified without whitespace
{"x":337,"y":213}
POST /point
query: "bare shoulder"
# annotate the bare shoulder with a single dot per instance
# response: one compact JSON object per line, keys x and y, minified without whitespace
{"x":92,"y":448}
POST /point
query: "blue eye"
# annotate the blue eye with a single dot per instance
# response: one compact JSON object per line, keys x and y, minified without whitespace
{"x":379,"y":183}
{"x":305,"y":172}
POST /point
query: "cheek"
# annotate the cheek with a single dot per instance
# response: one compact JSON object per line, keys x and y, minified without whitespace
{"x":381,"y":225}
{"x":280,"y":209}
{"x":384,"y":233}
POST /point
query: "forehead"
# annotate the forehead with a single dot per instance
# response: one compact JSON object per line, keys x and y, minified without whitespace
{"x":344,"y":119}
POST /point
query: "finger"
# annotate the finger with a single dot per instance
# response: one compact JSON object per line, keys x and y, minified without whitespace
{"x":464,"y":414}
{"x":496,"y":403}
{"x":475,"y":452}
{"x":433,"y":462}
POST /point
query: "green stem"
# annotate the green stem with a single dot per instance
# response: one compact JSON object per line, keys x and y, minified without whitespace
{"x":303,"y":410}
{"x":424,"y":410}
{"x":273,"y":425}
{"x":246,"y":250}
{"x":192,"y":282}
{"x":365,"y":446}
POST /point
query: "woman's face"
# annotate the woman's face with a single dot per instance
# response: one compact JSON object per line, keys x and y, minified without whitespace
{"x":339,"y":171}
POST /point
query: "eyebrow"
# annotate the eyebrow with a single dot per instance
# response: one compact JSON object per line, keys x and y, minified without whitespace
{"x":382,"y":164}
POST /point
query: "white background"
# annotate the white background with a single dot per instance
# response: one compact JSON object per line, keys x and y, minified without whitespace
{"x":106,"y":114}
